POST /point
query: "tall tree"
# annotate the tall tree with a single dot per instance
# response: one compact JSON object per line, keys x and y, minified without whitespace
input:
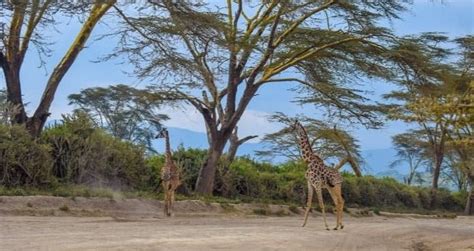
{"x":438,"y":97}
{"x":217,"y":58}
{"x":329,"y":142}
{"x":27,"y":20}
{"x":460,"y":103}
{"x":122,"y":111}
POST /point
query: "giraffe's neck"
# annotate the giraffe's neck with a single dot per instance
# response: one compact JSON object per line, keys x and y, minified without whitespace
{"x":306,"y":150}
{"x":168,"y":157}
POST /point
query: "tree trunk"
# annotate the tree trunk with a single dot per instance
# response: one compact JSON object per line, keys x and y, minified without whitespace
{"x":436,"y":172}
{"x":14,"y":95}
{"x":438,"y":161}
{"x":235,"y":143}
{"x":469,"y":210}
{"x":409,"y":179}
{"x":35,"y":125}
{"x":205,"y":181}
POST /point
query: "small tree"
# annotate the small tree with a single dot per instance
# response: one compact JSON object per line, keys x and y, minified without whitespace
{"x":329,"y":142}
{"x":27,"y":18}
{"x":122,"y":111}
{"x":409,"y":150}
{"x":453,"y":172}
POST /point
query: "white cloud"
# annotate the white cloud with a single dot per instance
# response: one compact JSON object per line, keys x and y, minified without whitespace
{"x":185,"y":117}
{"x":256,"y":123}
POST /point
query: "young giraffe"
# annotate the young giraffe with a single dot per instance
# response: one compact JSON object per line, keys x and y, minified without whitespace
{"x":319,"y":176}
{"x":169,"y":174}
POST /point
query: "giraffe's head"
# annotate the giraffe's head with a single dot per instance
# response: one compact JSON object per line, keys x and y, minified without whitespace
{"x":163,"y":133}
{"x":296,"y":127}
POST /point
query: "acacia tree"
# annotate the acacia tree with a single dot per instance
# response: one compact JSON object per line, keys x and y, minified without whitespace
{"x":438,"y":97}
{"x":460,"y":104}
{"x":217,"y":58}
{"x":410,"y":149}
{"x":122,"y":111}
{"x":27,"y":20}
{"x":329,"y":142}
{"x":453,"y":172}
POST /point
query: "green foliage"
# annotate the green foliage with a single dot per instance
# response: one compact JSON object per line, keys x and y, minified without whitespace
{"x":23,"y":160}
{"x":75,"y":152}
{"x":84,"y":154}
{"x":369,"y":191}
{"x":189,"y":161}
{"x":327,"y":140}
{"x":123,"y":111}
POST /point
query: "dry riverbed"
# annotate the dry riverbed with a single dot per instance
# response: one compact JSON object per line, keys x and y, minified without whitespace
{"x":205,"y":226}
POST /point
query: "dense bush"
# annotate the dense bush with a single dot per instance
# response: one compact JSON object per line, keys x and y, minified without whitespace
{"x":23,"y":161}
{"x":369,"y":191}
{"x":84,"y":154}
{"x":76,"y":152}
{"x":246,"y":179}
{"x":189,"y":161}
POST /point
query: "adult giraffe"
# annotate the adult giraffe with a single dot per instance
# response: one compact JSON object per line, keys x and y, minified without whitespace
{"x":169,"y":174}
{"x":319,"y":176}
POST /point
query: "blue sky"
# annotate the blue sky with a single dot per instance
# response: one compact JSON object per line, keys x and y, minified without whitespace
{"x":454,"y":17}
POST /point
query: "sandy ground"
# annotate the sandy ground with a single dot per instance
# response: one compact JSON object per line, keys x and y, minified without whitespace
{"x":234,"y":233}
{"x":214,"y":231}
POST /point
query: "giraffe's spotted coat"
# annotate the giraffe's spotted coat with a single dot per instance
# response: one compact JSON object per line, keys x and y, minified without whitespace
{"x":320,"y":176}
{"x":318,"y":173}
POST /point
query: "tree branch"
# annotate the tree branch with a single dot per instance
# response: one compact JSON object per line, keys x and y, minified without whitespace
{"x":36,"y":15}
{"x":305,"y":54}
{"x":297,"y":23}
{"x":98,"y":10}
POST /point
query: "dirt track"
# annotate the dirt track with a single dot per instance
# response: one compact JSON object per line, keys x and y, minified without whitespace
{"x":57,"y":223}
{"x":234,"y":233}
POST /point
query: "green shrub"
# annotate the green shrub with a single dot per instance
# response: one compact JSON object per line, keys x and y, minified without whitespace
{"x":84,"y":154}
{"x":23,"y":160}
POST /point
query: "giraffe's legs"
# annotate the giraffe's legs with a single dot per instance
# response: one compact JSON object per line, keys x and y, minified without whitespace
{"x":338,"y":202}
{"x":333,"y":197}
{"x":171,"y":201}
{"x":319,"y":193}
{"x":308,"y":203}
{"x":338,"y":192}
{"x":167,"y":199}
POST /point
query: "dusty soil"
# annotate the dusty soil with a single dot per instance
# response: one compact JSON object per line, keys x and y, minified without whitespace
{"x":201,"y":226}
